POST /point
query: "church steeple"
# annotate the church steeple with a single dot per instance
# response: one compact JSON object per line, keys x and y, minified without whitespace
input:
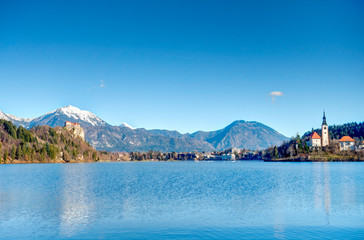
{"x":324,"y":120}
{"x":324,"y":132}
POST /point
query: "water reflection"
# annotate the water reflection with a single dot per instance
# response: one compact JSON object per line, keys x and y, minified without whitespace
{"x":279,"y":206}
{"x":322,"y":183}
{"x":327,"y":191}
{"x":75,"y":199}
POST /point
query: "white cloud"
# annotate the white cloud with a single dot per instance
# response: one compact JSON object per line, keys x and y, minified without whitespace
{"x":102,"y":85}
{"x":276,"y":94}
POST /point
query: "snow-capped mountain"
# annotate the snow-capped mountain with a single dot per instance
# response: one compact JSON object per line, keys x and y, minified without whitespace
{"x":68,"y":113}
{"x":124,"y":124}
{"x":103,"y":136}
{"x":4,"y":116}
{"x":57,"y":118}
{"x":24,"y":122}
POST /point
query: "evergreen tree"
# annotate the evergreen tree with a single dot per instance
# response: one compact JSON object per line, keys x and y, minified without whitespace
{"x":299,"y":142}
{"x":6,"y":155}
{"x":10,"y":128}
{"x":275,"y":152}
{"x":94,"y":156}
{"x":74,"y":153}
{"x":43,"y":153}
{"x":307,"y":150}
{"x":51,"y":151}
{"x":18,"y":153}
{"x":13,"y":150}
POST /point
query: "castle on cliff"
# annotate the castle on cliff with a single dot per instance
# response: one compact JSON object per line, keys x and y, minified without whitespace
{"x":75,"y":128}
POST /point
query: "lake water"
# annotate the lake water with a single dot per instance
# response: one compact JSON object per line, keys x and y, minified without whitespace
{"x":182,"y":200}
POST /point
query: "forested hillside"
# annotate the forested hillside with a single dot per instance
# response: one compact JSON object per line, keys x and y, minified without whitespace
{"x":354,"y":130}
{"x":298,"y":145}
{"x":43,"y":144}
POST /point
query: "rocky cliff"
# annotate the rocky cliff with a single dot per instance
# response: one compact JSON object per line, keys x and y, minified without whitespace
{"x":75,"y":129}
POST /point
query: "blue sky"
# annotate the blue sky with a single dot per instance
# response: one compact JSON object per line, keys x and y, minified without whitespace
{"x":185,"y":65}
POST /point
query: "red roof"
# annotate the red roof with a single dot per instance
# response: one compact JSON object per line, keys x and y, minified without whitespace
{"x":314,"y":135}
{"x":346,"y":139}
{"x":72,"y":123}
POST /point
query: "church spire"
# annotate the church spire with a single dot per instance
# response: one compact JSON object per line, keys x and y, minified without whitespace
{"x":324,"y":119}
{"x":325,"y":132}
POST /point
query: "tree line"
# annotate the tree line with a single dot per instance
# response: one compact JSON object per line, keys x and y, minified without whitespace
{"x":43,"y":144}
{"x":354,"y":130}
{"x":298,"y":145}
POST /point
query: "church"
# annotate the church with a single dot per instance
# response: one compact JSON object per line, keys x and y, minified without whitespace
{"x":315,"y":140}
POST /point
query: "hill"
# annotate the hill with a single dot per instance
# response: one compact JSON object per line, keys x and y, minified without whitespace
{"x":44,"y":144}
{"x":354,"y":130}
{"x":114,"y":138}
{"x":242,"y":134}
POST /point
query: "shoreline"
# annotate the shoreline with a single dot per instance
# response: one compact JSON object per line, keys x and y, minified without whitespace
{"x":311,"y":160}
{"x":243,"y":160}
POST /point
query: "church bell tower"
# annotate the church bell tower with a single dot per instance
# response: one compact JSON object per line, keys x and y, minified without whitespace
{"x":324,"y":132}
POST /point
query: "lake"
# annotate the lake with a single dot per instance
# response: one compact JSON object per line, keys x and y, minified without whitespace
{"x":182,"y":200}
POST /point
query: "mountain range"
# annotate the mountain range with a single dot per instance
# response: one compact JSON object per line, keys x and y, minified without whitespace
{"x":124,"y":138}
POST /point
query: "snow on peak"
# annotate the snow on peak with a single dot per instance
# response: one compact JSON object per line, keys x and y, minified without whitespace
{"x":9,"y":117}
{"x":4,"y":116}
{"x":20,"y":119}
{"x":82,"y":115}
{"x":74,"y":113}
{"x":124,"y":124}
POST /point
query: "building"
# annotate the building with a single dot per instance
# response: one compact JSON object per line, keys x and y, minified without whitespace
{"x":228,"y":157}
{"x":75,"y":128}
{"x":187,"y":156}
{"x":324,"y":132}
{"x":222,"y":157}
{"x":347,"y":143}
{"x":314,"y":140}
{"x":68,"y":123}
{"x":236,"y":150}
{"x":361,"y":146}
